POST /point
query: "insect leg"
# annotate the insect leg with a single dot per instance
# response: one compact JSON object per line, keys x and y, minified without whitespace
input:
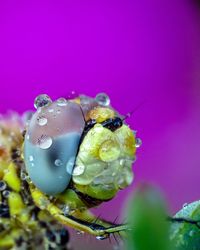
{"x":96,"y":229}
{"x":91,"y":218}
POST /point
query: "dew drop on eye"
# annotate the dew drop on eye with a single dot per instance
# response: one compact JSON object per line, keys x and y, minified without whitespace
{"x":102,"y":99}
{"x":51,"y":143}
{"x":42,"y":101}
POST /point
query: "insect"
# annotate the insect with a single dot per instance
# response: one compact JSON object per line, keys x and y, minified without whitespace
{"x":68,"y":156}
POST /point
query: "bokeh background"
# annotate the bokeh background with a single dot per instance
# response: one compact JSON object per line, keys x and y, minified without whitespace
{"x":135,"y":51}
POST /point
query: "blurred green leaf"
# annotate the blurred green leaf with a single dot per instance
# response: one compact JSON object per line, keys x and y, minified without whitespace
{"x":147,"y":216}
{"x":185,"y":228}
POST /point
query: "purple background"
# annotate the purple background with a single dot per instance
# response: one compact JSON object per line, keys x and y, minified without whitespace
{"x":133,"y":50}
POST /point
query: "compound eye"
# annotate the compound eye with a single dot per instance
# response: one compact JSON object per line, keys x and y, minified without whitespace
{"x":51,"y":145}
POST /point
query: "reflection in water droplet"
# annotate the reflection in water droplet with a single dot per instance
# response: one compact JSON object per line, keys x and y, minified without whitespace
{"x":138,"y":142}
{"x":121,"y":162}
{"x":31,"y":158}
{"x":102,"y":99}
{"x":61,"y":102}
{"x":42,"y":120}
{"x":78,"y":170}
{"x":108,"y":186}
{"x":70,"y":165}
{"x":58,"y":162}
{"x":45,"y":142}
{"x":102,"y":237}
{"x":42,"y":100}
{"x":50,"y":110}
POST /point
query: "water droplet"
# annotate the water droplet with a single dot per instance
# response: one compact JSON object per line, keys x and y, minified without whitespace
{"x":6,"y":193}
{"x":138,"y":142}
{"x":134,"y":132}
{"x":102,"y":99}
{"x":2,"y":185}
{"x":108,"y":179}
{"x":43,"y":203}
{"x":84,"y":100}
{"x":61,"y":102}
{"x":42,"y":100}
{"x":23,"y":176}
{"x":78,"y":170}
{"x":26,"y":117}
{"x":109,"y":151}
{"x":58,"y":111}
{"x":42,"y":120}
{"x":58,"y":162}
{"x":51,"y":197}
{"x":70,"y":165}
{"x":45,"y":142}
{"x":185,"y":205}
{"x":120,"y":181}
{"x":66,"y":210}
{"x":108,"y":186}
{"x":97,"y":180}
{"x":28,"y":137}
{"x":79,"y":232}
{"x":50,"y":110}
{"x":102,"y":237}
{"x":31,"y":158}
{"x":121,"y":162}
{"x":191,"y":233}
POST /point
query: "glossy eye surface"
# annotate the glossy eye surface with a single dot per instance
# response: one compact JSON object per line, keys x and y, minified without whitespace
{"x":51,"y":145}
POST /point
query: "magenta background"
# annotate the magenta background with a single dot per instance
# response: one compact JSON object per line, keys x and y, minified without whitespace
{"x":132,"y":50}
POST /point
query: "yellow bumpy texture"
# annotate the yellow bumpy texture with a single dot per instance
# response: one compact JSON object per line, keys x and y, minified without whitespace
{"x":106,"y":158}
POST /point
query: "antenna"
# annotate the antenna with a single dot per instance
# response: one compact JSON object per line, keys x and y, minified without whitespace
{"x":133,"y":111}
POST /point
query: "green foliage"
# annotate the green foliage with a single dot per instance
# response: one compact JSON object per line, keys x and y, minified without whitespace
{"x":152,"y":229}
{"x":185,"y":228}
{"x":147,"y":216}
